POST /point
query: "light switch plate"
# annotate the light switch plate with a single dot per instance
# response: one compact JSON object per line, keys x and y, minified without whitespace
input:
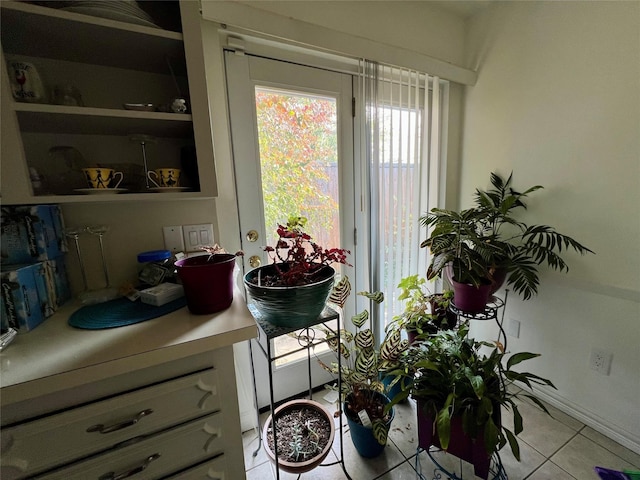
{"x":197,"y":236}
{"x":173,"y":240}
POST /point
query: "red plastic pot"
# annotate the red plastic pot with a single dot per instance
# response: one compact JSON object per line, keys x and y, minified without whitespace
{"x":207,"y":282}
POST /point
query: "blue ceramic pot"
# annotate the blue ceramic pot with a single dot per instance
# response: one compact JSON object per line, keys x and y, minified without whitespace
{"x":395,"y":389}
{"x":362,"y":437}
{"x":296,"y":307}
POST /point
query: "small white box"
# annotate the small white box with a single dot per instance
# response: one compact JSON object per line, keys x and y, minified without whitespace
{"x":161,"y":294}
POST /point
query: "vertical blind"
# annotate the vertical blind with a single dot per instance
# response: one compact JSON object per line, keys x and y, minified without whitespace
{"x":402,"y":149}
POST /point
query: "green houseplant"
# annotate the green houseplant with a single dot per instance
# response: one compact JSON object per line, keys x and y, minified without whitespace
{"x":424,"y":312}
{"x":293,"y":289}
{"x":482,"y":245}
{"x":360,"y":371}
{"x":460,"y":391}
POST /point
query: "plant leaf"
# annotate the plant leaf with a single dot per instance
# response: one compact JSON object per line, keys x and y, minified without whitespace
{"x":358,"y":320}
{"x":340,"y":292}
{"x":380,"y":431}
{"x":520,"y":357}
{"x":364,"y":339}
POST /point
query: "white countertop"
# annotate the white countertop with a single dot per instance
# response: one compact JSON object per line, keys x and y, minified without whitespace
{"x":56,"y":356}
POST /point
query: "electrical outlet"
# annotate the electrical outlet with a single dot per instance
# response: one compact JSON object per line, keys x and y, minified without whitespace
{"x":600,"y":361}
{"x":197,"y":236}
{"x":173,"y":240}
{"x":513,"y":328}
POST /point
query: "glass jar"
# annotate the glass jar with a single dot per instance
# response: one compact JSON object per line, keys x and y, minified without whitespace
{"x":156,"y":266}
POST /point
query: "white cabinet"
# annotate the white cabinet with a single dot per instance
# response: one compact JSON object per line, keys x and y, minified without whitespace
{"x":111,"y":63}
{"x":181,"y":424}
{"x":152,"y":457}
{"x":56,"y":439}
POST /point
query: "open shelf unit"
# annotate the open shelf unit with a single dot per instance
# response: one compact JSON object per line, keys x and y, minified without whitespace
{"x":110,"y":63}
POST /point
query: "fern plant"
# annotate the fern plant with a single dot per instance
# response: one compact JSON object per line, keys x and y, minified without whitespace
{"x":488,"y":238}
{"x":363,"y":363}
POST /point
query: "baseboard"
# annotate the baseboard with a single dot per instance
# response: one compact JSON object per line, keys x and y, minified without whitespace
{"x":591,"y":419}
{"x":248,"y":420}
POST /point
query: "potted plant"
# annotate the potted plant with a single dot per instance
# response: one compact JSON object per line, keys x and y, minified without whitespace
{"x":292,"y":291}
{"x":304,"y":435}
{"x":208,"y":279}
{"x":361,"y":368}
{"x":459,"y":392}
{"x":424,"y":312}
{"x":482,"y":246}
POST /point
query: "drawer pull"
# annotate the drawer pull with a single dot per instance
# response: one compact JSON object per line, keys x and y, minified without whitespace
{"x":119,"y":426}
{"x":132,"y":472}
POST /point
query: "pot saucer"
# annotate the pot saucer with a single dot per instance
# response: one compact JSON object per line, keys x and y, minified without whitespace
{"x":100,"y":191}
{"x":168,"y":189}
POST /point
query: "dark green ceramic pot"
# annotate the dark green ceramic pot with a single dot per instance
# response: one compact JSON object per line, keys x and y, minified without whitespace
{"x":297,"y":307}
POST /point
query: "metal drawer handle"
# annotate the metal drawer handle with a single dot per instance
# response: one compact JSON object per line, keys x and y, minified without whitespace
{"x":132,"y":472}
{"x":119,"y":426}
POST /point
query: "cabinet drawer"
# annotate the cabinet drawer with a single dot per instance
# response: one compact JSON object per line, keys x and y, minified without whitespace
{"x":154,"y":457}
{"x":42,"y":444}
{"x":214,"y":469}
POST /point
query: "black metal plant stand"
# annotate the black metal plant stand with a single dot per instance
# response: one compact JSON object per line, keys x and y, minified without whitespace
{"x":496,"y":470}
{"x":490,"y":312}
{"x":268,"y":332}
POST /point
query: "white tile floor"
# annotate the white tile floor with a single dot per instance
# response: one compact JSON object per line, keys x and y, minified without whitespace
{"x":552,"y":448}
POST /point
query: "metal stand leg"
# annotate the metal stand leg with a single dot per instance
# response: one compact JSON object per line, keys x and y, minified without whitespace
{"x":273,"y":417}
{"x":496,"y":470}
{"x":344,"y":467}
{"x":255,"y":399}
{"x":269,"y":332}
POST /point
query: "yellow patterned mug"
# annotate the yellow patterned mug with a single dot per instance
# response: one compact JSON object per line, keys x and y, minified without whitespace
{"x":165,"y":177}
{"x":98,"y":177}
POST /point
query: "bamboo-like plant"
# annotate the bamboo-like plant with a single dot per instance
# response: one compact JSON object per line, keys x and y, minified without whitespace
{"x":479,"y":241}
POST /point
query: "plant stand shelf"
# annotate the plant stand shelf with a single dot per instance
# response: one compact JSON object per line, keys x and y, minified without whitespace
{"x":496,"y":470}
{"x":494,"y":310}
{"x":268,"y":332}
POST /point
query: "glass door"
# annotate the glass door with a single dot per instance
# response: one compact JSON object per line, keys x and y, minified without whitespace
{"x":292,"y":136}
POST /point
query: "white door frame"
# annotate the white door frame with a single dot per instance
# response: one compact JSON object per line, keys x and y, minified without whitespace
{"x":244,"y":72}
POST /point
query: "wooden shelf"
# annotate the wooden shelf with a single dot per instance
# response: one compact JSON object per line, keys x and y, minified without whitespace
{"x":103,"y":41}
{"x":40,"y":118}
{"x":110,"y":62}
{"x":121,"y":197}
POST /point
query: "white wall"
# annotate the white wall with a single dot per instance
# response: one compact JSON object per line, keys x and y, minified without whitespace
{"x":415,"y":26}
{"x":557,"y":102}
{"x":134,"y":228}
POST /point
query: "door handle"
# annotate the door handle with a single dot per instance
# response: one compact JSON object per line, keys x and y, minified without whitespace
{"x":252,"y":236}
{"x":255,"y":261}
{"x":132,"y":472}
{"x":119,"y":426}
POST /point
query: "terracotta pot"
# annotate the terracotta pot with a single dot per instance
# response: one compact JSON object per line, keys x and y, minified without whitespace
{"x":311,"y":463}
